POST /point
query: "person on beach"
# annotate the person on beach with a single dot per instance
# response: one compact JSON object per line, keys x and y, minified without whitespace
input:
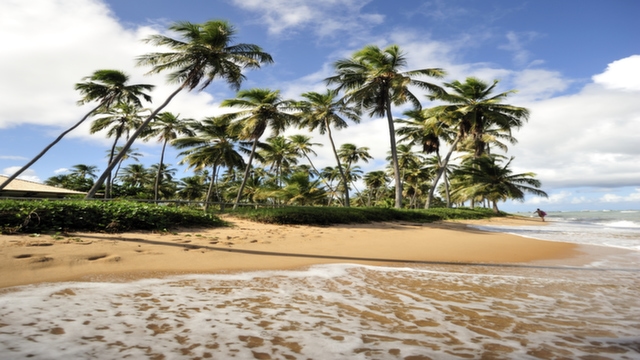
{"x":541,"y":213}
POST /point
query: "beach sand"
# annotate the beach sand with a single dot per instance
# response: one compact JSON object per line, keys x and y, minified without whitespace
{"x":438,"y":291}
{"x":28,"y":259}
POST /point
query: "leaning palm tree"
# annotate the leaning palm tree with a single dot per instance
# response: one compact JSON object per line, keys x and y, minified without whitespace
{"x":485,"y":177}
{"x":131,"y":153}
{"x":324,"y":111}
{"x":477,"y":110}
{"x":211,"y":146}
{"x":423,"y":128}
{"x":204,"y":53}
{"x":331,"y":174}
{"x":262,"y":109}
{"x":472,"y":111}
{"x":373,"y":81}
{"x":302,"y":145}
{"x":119,"y":121}
{"x":167,"y":127}
{"x":108,"y":87}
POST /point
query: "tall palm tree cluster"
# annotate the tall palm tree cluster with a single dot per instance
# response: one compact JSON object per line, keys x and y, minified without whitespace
{"x":244,"y":157}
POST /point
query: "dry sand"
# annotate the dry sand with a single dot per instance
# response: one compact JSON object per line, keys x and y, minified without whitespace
{"x":28,"y":259}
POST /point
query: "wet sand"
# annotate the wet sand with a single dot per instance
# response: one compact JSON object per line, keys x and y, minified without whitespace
{"x":26,"y":259}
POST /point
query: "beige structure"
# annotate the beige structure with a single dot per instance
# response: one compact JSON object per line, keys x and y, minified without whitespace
{"x":24,"y":188}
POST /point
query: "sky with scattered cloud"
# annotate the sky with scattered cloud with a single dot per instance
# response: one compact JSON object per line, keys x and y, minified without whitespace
{"x":575,"y":64}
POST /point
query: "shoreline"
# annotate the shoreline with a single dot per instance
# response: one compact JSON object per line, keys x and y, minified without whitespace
{"x":249,"y":246}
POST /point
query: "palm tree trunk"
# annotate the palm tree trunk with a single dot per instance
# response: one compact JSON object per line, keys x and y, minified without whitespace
{"x":44,"y":151}
{"x":440,"y":171}
{"x":394,"y":152}
{"x":446,"y":189}
{"x":246,"y":173}
{"x":157,"y":183}
{"x":207,"y":197}
{"x":318,"y":173}
{"x":107,"y":193}
{"x":126,"y":146}
{"x":335,"y":153}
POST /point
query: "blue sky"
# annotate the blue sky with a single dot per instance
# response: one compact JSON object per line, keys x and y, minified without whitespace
{"x":576,"y":64}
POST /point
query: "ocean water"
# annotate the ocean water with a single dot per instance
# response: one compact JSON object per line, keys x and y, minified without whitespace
{"x":347,"y":311}
{"x":608,"y":228}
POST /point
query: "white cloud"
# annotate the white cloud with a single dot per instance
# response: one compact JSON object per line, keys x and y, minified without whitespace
{"x":72,"y":39}
{"x":535,"y":84}
{"x":9,"y":157}
{"x":28,"y":174}
{"x":583,"y":139}
{"x":615,"y":198}
{"x":623,"y":74}
{"x":326,"y":18}
{"x":516,"y":44}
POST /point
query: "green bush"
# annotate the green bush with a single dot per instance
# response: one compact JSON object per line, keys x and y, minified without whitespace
{"x":334,"y":215}
{"x":112,"y":216}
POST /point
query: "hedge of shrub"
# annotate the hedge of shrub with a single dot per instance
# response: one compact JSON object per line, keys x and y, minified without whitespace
{"x":110,"y":216}
{"x":335,"y":215}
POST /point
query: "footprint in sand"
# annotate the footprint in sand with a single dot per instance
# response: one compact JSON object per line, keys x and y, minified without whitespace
{"x":42,"y":259}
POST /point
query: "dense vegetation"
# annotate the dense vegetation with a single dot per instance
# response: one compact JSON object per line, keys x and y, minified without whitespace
{"x":99,"y":216}
{"x":233,"y":162}
{"x":117,"y":216}
{"x":341,"y":215}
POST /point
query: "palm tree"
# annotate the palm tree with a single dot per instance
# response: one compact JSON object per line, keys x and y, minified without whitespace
{"x":351,"y":154}
{"x":70,"y":182}
{"x":191,"y":188}
{"x":135,"y":175}
{"x":109,"y":87}
{"x":486,"y":177}
{"x":211,"y":146}
{"x":373,"y":81}
{"x":280,"y":155}
{"x":302,"y":146}
{"x":472,"y":112}
{"x":376,"y":182}
{"x":167,"y":127}
{"x":83,"y":171}
{"x":422,"y":128}
{"x":263,"y":108}
{"x":205,"y":54}
{"x":332,"y":174}
{"x":301,"y":190}
{"x":163,"y":177}
{"x":79,"y":179}
{"x":119,"y":120}
{"x":433,"y":165}
{"x":323,"y":111}
{"x":131,"y":153}
{"x":411,"y":164}
{"x":477,"y":110}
